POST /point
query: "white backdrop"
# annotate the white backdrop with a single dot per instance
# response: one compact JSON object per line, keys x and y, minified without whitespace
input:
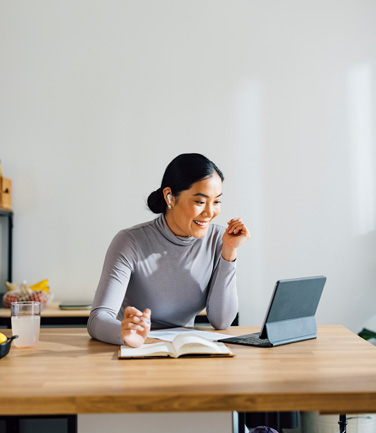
{"x":96,"y":97}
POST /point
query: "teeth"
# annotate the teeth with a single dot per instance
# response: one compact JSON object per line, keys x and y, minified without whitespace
{"x":201,"y":223}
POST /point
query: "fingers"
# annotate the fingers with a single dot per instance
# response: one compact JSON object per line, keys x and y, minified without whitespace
{"x":136,"y":320}
{"x":141,"y":326}
{"x":132,"y":311}
{"x":146,"y":316}
{"x":236,"y":226}
{"x":147,"y":313}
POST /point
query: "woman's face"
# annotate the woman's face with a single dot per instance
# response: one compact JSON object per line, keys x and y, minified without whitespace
{"x":194,"y":209}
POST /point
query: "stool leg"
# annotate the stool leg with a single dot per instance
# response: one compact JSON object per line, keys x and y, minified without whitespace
{"x":342,"y":424}
{"x":242,"y":428}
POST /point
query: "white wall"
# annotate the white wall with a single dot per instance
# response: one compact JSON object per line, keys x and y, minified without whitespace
{"x":96,"y":97}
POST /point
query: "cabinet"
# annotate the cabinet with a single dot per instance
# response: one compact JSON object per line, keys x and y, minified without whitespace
{"x":8,"y":214}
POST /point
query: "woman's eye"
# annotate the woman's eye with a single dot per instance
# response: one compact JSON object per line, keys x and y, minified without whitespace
{"x":200,"y":202}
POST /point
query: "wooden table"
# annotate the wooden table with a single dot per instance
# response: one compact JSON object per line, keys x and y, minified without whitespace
{"x":52,"y":315}
{"x":68,"y":373}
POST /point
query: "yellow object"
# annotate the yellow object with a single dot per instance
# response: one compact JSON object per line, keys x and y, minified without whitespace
{"x":42,"y":285}
{"x":3,"y":338}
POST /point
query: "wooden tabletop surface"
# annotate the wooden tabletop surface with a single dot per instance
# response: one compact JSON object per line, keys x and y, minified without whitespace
{"x":69,"y":373}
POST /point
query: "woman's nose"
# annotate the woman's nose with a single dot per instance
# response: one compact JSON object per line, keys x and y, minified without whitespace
{"x":208,"y":211}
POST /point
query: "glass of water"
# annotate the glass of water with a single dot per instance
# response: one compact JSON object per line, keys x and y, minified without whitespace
{"x":26,"y":323}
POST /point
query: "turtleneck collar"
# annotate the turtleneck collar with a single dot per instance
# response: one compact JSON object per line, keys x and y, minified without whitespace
{"x":165,"y":230}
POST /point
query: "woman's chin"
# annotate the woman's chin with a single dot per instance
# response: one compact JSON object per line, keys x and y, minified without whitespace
{"x":199,"y":233}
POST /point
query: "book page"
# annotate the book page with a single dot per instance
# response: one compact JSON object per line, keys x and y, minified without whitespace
{"x":185,"y":344}
{"x":147,"y":350}
{"x":169,"y":334}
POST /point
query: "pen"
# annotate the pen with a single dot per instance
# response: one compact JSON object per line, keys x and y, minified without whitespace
{"x":147,"y":321}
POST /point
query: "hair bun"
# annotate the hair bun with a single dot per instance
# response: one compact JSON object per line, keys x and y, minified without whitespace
{"x":156,"y":201}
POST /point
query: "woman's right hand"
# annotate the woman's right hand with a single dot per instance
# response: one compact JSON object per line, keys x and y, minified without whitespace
{"x":135,"y":326}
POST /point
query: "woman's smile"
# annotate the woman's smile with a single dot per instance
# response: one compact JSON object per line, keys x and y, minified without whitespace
{"x":202,"y":223}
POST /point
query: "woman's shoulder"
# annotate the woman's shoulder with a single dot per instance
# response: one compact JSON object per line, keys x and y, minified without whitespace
{"x":138,"y":230}
{"x":131,"y":240}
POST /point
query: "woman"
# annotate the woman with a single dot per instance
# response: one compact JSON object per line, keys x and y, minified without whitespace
{"x":164,"y":272}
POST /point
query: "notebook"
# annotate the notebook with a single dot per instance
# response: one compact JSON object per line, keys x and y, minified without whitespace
{"x":290,"y":316}
{"x":75,"y":305}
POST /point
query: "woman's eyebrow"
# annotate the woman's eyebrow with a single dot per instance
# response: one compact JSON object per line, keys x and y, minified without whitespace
{"x":204,"y":195}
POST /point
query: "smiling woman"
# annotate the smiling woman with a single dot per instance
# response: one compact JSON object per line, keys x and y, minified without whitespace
{"x":173,"y":266}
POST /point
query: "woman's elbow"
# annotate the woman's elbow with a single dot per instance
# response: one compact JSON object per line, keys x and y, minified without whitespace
{"x":221,"y":322}
{"x":90,"y":326}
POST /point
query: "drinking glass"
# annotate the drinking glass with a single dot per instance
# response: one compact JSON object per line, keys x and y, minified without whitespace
{"x":26,"y":323}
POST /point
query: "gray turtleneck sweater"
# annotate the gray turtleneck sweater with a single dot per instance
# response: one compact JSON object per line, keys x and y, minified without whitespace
{"x":147,"y":266}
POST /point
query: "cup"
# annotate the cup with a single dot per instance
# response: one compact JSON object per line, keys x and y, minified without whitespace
{"x":26,"y":323}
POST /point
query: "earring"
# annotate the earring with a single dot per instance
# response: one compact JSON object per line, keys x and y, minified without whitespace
{"x":169,"y":207}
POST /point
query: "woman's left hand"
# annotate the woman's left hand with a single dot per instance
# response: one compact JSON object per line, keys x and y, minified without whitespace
{"x":236,"y":234}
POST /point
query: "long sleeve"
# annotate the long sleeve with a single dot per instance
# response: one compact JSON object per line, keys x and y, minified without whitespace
{"x":103,"y":323}
{"x":222,"y":302}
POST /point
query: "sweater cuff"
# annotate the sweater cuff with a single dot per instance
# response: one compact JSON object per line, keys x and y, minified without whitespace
{"x":225,"y":262}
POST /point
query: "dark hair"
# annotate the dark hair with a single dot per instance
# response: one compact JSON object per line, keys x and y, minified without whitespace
{"x":182,"y":172}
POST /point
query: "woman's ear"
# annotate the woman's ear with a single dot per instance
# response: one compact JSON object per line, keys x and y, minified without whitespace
{"x":167,"y":194}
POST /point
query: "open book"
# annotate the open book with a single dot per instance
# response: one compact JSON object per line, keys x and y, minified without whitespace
{"x":182,"y":344}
